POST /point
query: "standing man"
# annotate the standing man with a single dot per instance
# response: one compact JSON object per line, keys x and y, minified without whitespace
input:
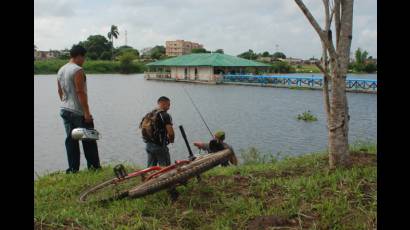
{"x":72,"y":89}
{"x":157,"y":133}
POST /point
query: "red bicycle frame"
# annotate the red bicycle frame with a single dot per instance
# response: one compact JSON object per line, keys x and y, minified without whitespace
{"x":160,"y":170}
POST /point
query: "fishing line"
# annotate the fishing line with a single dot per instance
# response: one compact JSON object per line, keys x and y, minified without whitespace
{"x":202,"y":118}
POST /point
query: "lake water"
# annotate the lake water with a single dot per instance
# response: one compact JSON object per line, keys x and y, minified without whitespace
{"x":259,"y":117}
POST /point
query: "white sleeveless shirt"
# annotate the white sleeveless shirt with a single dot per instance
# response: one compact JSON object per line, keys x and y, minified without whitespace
{"x":65,"y":77}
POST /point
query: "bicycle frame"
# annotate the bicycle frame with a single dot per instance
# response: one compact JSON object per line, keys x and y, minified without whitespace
{"x":160,"y":170}
{"x":168,"y":168}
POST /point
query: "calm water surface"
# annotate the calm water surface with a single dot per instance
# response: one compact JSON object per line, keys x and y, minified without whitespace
{"x":251,"y":116}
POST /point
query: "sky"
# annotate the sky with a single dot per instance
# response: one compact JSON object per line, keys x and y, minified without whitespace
{"x":232,"y":25}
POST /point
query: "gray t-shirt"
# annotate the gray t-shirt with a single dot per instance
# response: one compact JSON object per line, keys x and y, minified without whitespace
{"x":65,"y":77}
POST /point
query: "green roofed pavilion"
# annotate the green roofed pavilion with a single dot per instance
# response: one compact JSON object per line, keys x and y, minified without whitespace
{"x":208,"y":59}
{"x":201,"y":67}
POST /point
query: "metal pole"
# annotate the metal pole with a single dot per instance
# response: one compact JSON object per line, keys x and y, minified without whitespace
{"x":125,"y":37}
{"x":191,"y":155}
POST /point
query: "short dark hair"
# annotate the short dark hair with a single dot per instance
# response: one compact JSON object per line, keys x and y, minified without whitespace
{"x":77,"y":50}
{"x":163,"y":98}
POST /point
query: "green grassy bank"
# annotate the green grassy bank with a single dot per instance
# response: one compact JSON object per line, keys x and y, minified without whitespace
{"x":306,"y":69}
{"x":90,"y":66}
{"x":292,"y":193}
{"x":315,"y":69}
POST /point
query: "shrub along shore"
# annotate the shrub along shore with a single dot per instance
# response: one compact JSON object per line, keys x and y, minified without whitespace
{"x":290,"y":193}
{"x":90,"y":66}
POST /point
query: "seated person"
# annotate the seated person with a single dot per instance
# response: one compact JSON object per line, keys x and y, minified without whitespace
{"x":218,"y":144}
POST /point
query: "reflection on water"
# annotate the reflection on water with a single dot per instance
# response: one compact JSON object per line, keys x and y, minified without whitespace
{"x":251,"y":116}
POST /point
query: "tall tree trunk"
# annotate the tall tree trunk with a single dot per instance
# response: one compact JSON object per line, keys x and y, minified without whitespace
{"x":338,"y":136}
{"x":338,"y":133}
{"x":337,"y":110}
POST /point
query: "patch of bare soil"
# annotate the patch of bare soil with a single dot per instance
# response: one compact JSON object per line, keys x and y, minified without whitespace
{"x":237,"y":184}
{"x":271,"y":222}
{"x":273,"y":174}
{"x":362,"y":159}
{"x":44,"y":226}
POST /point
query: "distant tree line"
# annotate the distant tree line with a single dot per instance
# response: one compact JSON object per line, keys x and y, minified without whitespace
{"x":100,"y":48}
{"x":251,"y":55}
{"x":363,"y":63}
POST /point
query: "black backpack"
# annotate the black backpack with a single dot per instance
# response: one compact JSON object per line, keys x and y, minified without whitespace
{"x":149,"y":126}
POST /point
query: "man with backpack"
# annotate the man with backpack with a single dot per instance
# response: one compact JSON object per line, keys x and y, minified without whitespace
{"x":217,"y":144}
{"x":157,"y":133}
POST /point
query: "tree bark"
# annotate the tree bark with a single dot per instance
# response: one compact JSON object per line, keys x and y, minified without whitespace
{"x":336,"y":106}
{"x":338,"y":134}
{"x":326,"y":77}
{"x":337,"y":20}
{"x":325,"y":64}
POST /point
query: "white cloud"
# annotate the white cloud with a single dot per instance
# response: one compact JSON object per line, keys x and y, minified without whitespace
{"x":233,"y":25}
{"x":60,"y":8}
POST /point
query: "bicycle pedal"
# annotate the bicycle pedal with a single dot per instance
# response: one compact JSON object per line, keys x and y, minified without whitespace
{"x":119,"y":171}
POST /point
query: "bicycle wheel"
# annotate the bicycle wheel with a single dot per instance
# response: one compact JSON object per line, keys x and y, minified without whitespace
{"x":180,"y":174}
{"x":112,"y":189}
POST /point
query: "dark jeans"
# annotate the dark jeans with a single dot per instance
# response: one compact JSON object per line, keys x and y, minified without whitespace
{"x":157,"y":155}
{"x":72,"y":121}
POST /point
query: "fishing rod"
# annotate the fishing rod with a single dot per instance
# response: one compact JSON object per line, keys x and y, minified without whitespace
{"x":202,"y":118}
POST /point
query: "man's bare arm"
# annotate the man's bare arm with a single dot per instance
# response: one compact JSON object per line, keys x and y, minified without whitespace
{"x":200,"y":145}
{"x":170,"y":133}
{"x":82,"y":96}
{"x":60,"y":91}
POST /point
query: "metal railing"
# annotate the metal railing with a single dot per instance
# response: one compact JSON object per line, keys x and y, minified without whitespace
{"x":296,"y":81}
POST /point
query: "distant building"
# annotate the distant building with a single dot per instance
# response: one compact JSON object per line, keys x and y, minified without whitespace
{"x":42,"y":55}
{"x":265,"y":59}
{"x":146,"y":51}
{"x":208,"y":67}
{"x":373,"y":61}
{"x":292,"y":61}
{"x":311,"y":61}
{"x":65,"y":52}
{"x":39,"y":55}
{"x":53,"y":54}
{"x":180,"y":47}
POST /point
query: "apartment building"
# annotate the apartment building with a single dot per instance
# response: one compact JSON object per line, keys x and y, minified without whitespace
{"x":180,"y":47}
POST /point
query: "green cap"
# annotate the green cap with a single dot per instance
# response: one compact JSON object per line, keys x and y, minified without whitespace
{"x":220,"y":134}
